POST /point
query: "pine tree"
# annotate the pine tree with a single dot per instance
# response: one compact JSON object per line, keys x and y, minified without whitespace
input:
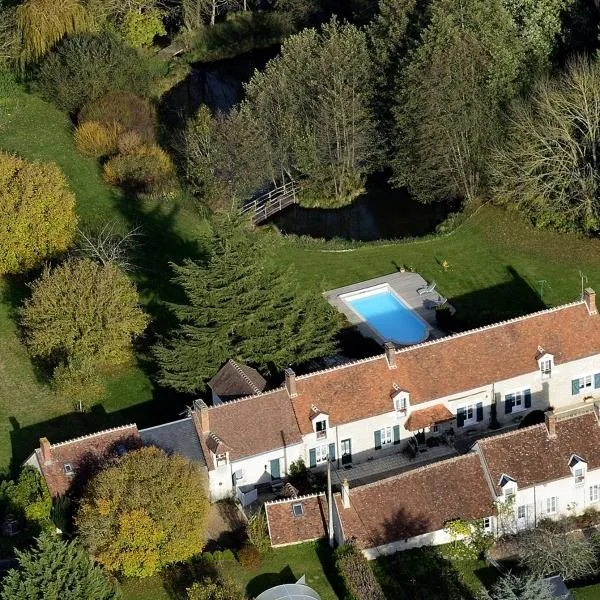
{"x":56,"y":570}
{"x":525,"y":587}
{"x":241,"y":307}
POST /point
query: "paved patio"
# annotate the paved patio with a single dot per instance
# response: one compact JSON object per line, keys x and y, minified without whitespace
{"x":387,"y":466}
{"x":405,"y":284}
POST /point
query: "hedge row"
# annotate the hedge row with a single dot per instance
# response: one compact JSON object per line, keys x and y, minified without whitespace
{"x":359,"y":580}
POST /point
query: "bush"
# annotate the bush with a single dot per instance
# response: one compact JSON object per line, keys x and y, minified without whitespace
{"x":145,"y":168}
{"x":129,"y":142}
{"x":215,"y":589}
{"x":127,"y":110}
{"x":359,"y":580}
{"x":249,"y":556}
{"x":96,"y":139}
{"x":86,"y":67}
{"x":140,"y":28}
{"x":258,"y":533}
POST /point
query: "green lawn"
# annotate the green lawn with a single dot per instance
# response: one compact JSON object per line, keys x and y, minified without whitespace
{"x":284,"y":565}
{"x":496,"y":264}
{"x":589,"y":592}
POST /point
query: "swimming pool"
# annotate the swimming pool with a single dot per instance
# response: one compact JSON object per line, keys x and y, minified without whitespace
{"x":388,"y":315}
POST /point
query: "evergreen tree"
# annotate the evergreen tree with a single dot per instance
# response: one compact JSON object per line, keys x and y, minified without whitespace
{"x":524,"y":587}
{"x":56,"y":570}
{"x":241,"y":307}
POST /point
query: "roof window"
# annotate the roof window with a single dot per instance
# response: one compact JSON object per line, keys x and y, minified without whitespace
{"x":298,"y":509}
{"x":68,"y":469}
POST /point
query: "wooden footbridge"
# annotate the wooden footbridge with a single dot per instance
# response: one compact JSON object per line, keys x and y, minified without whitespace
{"x":268,"y":204}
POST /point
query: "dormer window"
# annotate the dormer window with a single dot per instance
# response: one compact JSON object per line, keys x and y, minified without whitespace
{"x":545,"y":363}
{"x":68,"y":469}
{"x":578,"y":468}
{"x":321,"y":428}
{"x":221,"y":459}
{"x":320,"y":421}
{"x":509,"y":488}
{"x":401,"y":401}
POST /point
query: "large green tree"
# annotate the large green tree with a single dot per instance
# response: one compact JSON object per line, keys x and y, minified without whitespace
{"x":38,"y":213}
{"x":449,"y":103}
{"x":549,"y":166}
{"x":523,"y":587}
{"x":145,"y":511}
{"x":240,"y":306}
{"x":57,"y":570}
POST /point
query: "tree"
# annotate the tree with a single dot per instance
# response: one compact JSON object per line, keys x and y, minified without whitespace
{"x":524,"y":587}
{"x":239,"y":306}
{"x":38,"y":213}
{"x":82,"y":311}
{"x":143,"y":512}
{"x":140,"y":28}
{"x":449,"y":103}
{"x":56,"y":570}
{"x":551,"y":550}
{"x":549,"y":166}
{"x":42,"y":23}
{"x":211,"y":589}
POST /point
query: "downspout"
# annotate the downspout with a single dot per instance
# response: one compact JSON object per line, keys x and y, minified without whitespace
{"x":330,"y":505}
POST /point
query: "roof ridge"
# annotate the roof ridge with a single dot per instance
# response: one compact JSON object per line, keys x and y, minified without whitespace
{"x":244,"y":398}
{"x":435,"y":463}
{"x":303,"y":497}
{"x":510,"y":433}
{"x":91,"y":435}
{"x":244,"y":376}
{"x":165,"y":424}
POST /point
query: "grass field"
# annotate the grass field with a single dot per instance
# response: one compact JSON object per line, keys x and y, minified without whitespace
{"x":589,"y":592}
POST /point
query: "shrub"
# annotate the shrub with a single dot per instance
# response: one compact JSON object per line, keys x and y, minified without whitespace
{"x":86,"y":67}
{"x":215,"y":589}
{"x":146,"y":168}
{"x":357,"y":575}
{"x":129,"y":142}
{"x":140,"y":28}
{"x":249,"y":556}
{"x":96,"y":139}
{"x":128,"y":110}
{"x":257,"y":531}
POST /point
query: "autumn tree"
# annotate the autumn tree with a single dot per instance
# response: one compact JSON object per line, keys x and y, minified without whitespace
{"x":549,"y":166}
{"x":56,"y":570}
{"x":38,"y":213}
{"x":143,"y":512}
{"x":241,"y":306}
{"x":81,"y":317}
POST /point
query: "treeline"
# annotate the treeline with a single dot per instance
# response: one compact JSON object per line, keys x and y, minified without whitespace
{"x":469,"y":100}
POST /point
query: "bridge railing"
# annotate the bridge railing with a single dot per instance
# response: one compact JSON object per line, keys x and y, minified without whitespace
{"x":271,"y":202}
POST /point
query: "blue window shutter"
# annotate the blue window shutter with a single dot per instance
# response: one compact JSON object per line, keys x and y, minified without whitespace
{"x":312,"y":457}
{"x":460,"y":417}
{"x":527,"y":396}
{"x":331,"y":452}
{"x":479,"y":409}
{"x":597,"y":380}
{"x":508,"y":400}
{"x":378,"y":440}
{"x":396,"y":434}
{"x":574,"y":387}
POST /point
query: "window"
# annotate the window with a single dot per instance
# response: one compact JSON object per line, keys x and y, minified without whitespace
{"x":469,"y":412}
{"x":546,"y":368}
{"x":297,"y":509}
{"x":221,"y":459}
{"x":321,"y":453}
{"x":521,"y":512}
{"x":517,"y":401}
{"x":551,"y":505}
{"x":594,"y":493}
{"x":509,"y":494}
{"x":386,"y":436}
{"x":579,"y":474}
{"x":321,"y":427}
{"x":68,"y":469}
{"x":435,"y":429}
{"x":487,"y":523}
{"x":400,"y":405}
{"x":585,"y":383}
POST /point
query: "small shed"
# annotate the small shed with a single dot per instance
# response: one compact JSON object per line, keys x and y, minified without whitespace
{"x":235,"y":380}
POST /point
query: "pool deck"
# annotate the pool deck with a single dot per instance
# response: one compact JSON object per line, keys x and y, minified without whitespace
{"x":405,"y":284}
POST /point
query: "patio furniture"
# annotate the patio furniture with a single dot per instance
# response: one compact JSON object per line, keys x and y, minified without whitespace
{"x":427,"y":289}
{"x":440,"y":301}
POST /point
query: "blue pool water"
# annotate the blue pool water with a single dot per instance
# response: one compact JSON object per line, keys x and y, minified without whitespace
{"x":390,"y":318}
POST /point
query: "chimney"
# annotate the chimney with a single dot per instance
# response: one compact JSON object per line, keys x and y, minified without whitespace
{"x":201,"y":415}
{"x":551,"y":423}
{"x":46,"y":451}
{"x":390,"y":354}
{"x":346,"y":494}
{"x":589,"y":295}
{"x":290,"y":382}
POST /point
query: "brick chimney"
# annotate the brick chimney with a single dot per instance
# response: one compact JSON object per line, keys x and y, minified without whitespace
{"x":390,"y":354}
{"x":589,"y":295}
{"x":551,"y":423}
{"x":346,"y":494}
{"x":290,"y":383}
{"x":201,"y":415}
{"x":46,"y":451}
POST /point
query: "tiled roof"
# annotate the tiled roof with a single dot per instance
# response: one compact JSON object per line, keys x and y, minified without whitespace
{"x":286,"y":528}
{"x":530,"y":457}
{"x":447,"y":366}
{"x":253,"y":425}
{"x":235,"y":380}
{"x":426,"y":417}
{"x":84,"y":454}
{"x":416,"y":502}
{"x":178,"y":436}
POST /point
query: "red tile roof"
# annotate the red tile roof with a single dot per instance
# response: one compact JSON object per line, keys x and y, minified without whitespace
{"x":285,"y":528}
{"x":416,"y":502}
{"x":530,"y":457}
{"x":84,"y":455}
{"x":426,"y":417}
